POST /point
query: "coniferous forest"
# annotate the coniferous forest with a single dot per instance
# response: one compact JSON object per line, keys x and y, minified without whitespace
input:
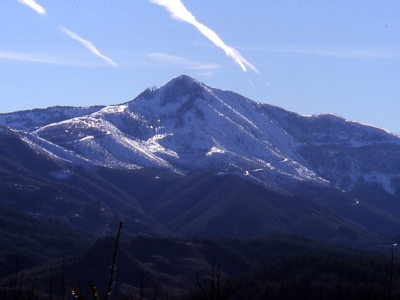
{"x":278,"y":266}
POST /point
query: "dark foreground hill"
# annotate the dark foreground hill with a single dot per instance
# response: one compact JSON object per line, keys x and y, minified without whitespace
{"x":37,"y":241}
{"x":274,"y":267}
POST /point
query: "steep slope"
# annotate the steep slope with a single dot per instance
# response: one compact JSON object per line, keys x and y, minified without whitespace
{"x":291,"y":167}
{"x":209,"y":204}
{"x":354,"y":157}
{"x":33,"y":184}
{"x":227,"y":205}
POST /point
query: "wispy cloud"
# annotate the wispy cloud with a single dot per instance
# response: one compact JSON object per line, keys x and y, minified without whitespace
{"x":88,"y":45}
{"x":335,"y":53}
{"x":181,"y":62}
{"x":32,"y":4}
{"x":18,"y":56}
{"x":179,"y":12}
{"x":43,"y":59}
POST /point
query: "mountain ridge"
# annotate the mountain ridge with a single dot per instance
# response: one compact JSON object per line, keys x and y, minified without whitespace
{"x":188,"y":128}
{"x":187,"y":119}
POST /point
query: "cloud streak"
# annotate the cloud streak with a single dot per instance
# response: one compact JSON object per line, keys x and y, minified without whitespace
{"x":335,"y":53}
{"x":43,"y":59}
{"x":33,"y":5}
{"x":181,"y":62}
{"x":179,"y":12}
{"x":24,"y":57}
{"x":88,"y":45}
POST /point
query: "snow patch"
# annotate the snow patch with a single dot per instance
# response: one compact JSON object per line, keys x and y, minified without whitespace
{"x":384,"y":180}
{"x":89,"y":137}
{"x":61,"y":175}
{"x":215,"y":150}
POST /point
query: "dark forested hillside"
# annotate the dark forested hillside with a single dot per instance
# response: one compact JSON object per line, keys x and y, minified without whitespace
{"x":156,"y":202}
{"x":37,"y":241}
{"x":274,"y":267}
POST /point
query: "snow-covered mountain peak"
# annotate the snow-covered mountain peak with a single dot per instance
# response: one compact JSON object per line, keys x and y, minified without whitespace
{"x":174,"y":93}
{"x":187,"y":126}
{"x":184,"y":83}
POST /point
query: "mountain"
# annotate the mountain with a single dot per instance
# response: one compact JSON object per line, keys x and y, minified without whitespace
{"x":190,"y":159}
{"x":186,"y":126}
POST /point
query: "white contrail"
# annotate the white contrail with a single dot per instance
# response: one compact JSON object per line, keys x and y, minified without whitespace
{"x":32,"y":4}
{"x":338,"y":53}
{"x":180,"y":12}
{"x":88,"y":45}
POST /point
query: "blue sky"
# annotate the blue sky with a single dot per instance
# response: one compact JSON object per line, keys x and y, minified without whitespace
{"x":310,"y":57}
